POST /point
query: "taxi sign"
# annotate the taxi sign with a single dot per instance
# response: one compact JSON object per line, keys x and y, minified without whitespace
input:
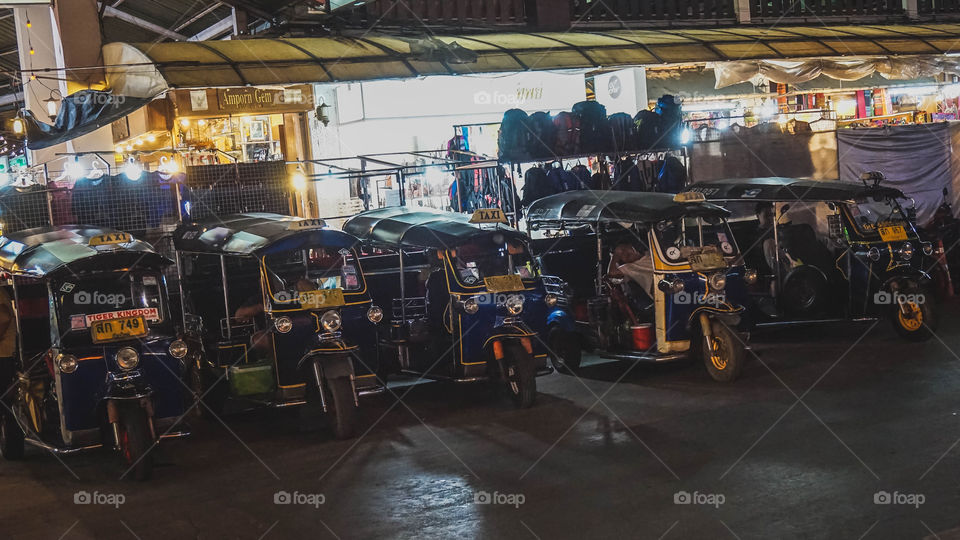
{"x":689,"y":197}
{"x":488,"y":215}
{"x":499,"y":284}
{"x":321,"y":299}
{"x":892,"y":233}
{"x":110,"y":239}
{"x":306,"y":224}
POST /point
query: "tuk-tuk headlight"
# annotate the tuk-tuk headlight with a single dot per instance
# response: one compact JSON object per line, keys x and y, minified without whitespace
{"x":471,"y":306}
{"x":375,"y":314}
{"x":670,"y":286}
{"x":66,"y":363}
{"x":750,"y":276}
{"x":283,"y":324}
{"x":515,"y":304}
{"x":927,"y":248}
{"x":330,"y":321}
{"x":873,"y":254}
{"x":550,"y":300}
{"x":906,"y":251}
{"x":178,"y":349}
{"x":127,"y":358}
{"x":717,"y":281}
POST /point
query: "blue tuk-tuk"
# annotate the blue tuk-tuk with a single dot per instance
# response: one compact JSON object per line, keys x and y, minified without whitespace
{"x":280,"y":306}
{"x":654,"y":277}
{"x":467,"y":299}
{"x":98,"y":362}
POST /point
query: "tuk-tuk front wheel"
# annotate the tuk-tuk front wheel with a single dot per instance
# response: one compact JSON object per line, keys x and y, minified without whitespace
{"x":566,"y":352}
{"x":341,"y":407}
{"x":521,"y":376}
{"x":11,"y":437}
{"x":135,"y":441}
{"x":723,"y":353}
{"x":914,"y":321}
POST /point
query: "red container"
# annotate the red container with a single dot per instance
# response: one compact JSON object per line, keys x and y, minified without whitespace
{"x":642,"y":336}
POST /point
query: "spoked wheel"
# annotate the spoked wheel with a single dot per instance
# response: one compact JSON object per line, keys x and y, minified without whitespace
{"x":566,"y":352}
{"x":521,"y":375}
{"x":11,"y":437}
{"x":136,"y":442}
{"x":724,"y":355}
{"x":914,"y":321}
{"x":341,"y":407}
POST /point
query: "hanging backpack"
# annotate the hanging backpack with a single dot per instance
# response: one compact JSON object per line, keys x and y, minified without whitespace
{"x":594,"y":129}
{"x":600,"y":181}
{"x":561,"y":180}
{"x":535,"y":186}
{"x":671,"y":121}
{"x":567,"y":133}
{"x":627,"y":176}
{"x":623,"y":132}
{"x":647,"y":129}
{"x":672,"y":177}
{"x":513,"y":140}
{"x":543,"y":135}
{"x":584,"y":179}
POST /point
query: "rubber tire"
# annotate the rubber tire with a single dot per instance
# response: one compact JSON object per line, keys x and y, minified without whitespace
{"x":566,"y":345}
{"x":136,"y":442}
{"x":341,"y":408}
{"x":521,"y":376}
{"x":11,"y":437}
{"x":928,"y":318}
{"x":808,"y":284}
{"x":732,"y":349}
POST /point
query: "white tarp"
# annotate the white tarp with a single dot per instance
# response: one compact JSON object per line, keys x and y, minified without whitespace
{"x":800,"y":71}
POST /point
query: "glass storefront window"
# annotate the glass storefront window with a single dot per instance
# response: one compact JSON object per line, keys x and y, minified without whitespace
{"x":226,"y":139}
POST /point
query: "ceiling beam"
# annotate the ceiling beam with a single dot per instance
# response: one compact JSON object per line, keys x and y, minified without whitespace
{"x":250,"y":8}
{"x":110,"y":11}
{"x":198,"y":16}
{"x":216,"y":30}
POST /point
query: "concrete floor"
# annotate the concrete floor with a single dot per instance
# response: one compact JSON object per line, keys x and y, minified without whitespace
{"x":798,"y":448}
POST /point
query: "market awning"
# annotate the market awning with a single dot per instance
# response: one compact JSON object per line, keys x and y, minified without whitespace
{"x":186,"y":64}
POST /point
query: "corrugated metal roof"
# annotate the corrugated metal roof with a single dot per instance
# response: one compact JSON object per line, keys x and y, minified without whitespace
{"x":302,"y":60}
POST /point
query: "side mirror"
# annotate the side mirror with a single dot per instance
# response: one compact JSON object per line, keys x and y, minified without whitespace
{"x":784,"y":209}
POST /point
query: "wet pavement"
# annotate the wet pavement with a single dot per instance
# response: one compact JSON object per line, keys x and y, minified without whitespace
{"x":838,"y":431}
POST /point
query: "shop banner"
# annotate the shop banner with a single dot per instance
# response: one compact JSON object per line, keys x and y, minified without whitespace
{"x":800,"y":71}
{"x":914,"y":159}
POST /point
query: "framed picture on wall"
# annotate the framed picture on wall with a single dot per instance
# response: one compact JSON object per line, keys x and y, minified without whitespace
{"x":258,"y":130}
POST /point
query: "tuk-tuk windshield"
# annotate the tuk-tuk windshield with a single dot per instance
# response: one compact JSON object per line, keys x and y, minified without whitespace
{"x":315,"y":268}
{"x":486,"y":257}
{"x":868,"y":214}
{"x":109,"y":293}
{"x":678,"y":238}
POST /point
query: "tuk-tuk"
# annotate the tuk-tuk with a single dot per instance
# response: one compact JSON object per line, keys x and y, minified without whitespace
{"x":829,"y":251}
{"x":654,"y":277}
{"x":466,"y":297}
{"x":282,"y":311}
{"x":98,"y":362}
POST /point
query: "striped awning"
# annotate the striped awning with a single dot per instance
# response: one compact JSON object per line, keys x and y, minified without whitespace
{"x":263,"y":61}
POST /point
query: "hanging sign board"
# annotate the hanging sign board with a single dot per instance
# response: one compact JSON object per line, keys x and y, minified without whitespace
{"x":245,"y":100}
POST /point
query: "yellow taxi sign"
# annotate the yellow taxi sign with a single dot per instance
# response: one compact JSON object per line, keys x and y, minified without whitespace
{"x":323,"y":298}
{"x":689,"y":197}
{"x":306,"y":224}
{"x":110,"y":239}
{"x":489,"y":215}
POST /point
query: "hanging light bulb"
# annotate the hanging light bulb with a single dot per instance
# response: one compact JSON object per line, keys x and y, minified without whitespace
{"x":151,"y":138}
{"x":52,"y":103}
{"x":18,"y":126}
{"x":74,"y":169}
{"x":185,"y":122}
{"x":119,"y":149}
{"x":133,"y":170}
{"x":129,"y":148}
{"x":299,"y":180}
{"x":29,"y":24}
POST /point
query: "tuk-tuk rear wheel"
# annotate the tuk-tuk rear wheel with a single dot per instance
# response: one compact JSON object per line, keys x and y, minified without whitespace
{"x":136,"y":441}
{"x":521,"y":376}
{"x":341,"y":407}
{"x":724,"y":356}
{"x":11,"y":437}
{"x":917,"y":323}
{"x":566,"y":346}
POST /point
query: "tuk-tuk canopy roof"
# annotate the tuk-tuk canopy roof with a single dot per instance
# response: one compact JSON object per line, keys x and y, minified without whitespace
{"x":790,"y":189}
{"x":257,"y":234}
{"x":44,"y":251}
{"x":580,"y":207}
{"x":403,"y":227}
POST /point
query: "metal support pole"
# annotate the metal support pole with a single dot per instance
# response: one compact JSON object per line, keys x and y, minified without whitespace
{"x":226,"y":295}
{"x":183,"y":305}
{"x":596,"y":230}
{"x":403,"y":291}
{"x":776,"y":253}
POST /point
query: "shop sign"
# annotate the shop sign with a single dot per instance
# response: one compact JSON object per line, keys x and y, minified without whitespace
{"x":245,"y":99}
